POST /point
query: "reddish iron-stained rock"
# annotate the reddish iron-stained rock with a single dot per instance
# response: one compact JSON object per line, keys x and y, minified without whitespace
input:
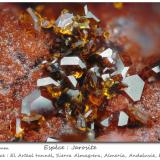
{"x":22,"y":49}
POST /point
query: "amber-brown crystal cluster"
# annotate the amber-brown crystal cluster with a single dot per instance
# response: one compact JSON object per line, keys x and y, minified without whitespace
{"x":81,"y":75}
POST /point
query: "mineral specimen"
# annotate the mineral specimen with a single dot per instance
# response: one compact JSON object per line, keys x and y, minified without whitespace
{"x":83,"y":74}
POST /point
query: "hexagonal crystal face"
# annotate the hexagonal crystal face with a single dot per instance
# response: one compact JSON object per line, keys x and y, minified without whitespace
{"x":36,"y":103}
{"x":135,"y":87}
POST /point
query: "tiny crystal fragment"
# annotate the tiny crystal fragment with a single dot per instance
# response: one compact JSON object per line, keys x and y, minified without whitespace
{"x":108,"y":53}
{"x":73,"y":93}
{"x":135,"y":87}
{"x":64,"y":20}
{"x":46,"y":24}
{"x":123,"y":119}
{"x":121,"y":68}
{"x":156,"y":69}
{"x":95,"y":69}
{"x":35,"y":18}
{"x":81,"y":124}
{"x":92,"y":126}
{"x":91,"y":135}
{"x":54,"y":61}
{"x":89,"y":14}
{"x":52,"y":140}
{"x":105,"y":76}
{"x":69,"y":61}
{"x":19,"y":130}
{"x":72,"y":80}
{"x":88,"y":113}
{"x":46,"y":81}
{"x":106,"y":122}
{"x":44,"y":62}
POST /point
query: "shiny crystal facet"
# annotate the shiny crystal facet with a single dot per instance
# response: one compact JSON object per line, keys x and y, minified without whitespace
{"x":89,"y":14}
{"x":72,"y":80}
{"x":92,"y":126}
{"x":36,"y":103}
{"x":121,"y":68}
{"x":18,"y":126}
{"x":73,"y":93}
{"x":44,"y":62}
{"x":52,"y":140}
{"x":135,"y":87}
{"x":81,"y":122}
{"x":46,"y":81}
{"x":91,"y":135}
{"x":105,"y":76}
{"x":55,"y":60}
{"x":156,"y":69}
{"x":64,"y":20}
{"x":108,"y":53}
{"x":75,"y":61}
{"x":95,"y":69}
{"x":123,"y":119}
{"x":106,"y":122}
{"x":88,"y":113}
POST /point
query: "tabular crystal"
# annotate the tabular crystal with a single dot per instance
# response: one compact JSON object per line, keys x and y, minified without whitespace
{"x":36,"y":103}
{"x":89,"y":14}
{"x":123,"y":119}
{"x":72,"y":80}
{"x":64,"y":20}
{"x":156,"y":69}
{"x":46,"y":81}
{"x":106,"y":121}
{"x":121,"y":68}
{"x":52,"y":140}
{"x":108,"y":53}
{"x":135,"y":87}
{"x":75,"y":61}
